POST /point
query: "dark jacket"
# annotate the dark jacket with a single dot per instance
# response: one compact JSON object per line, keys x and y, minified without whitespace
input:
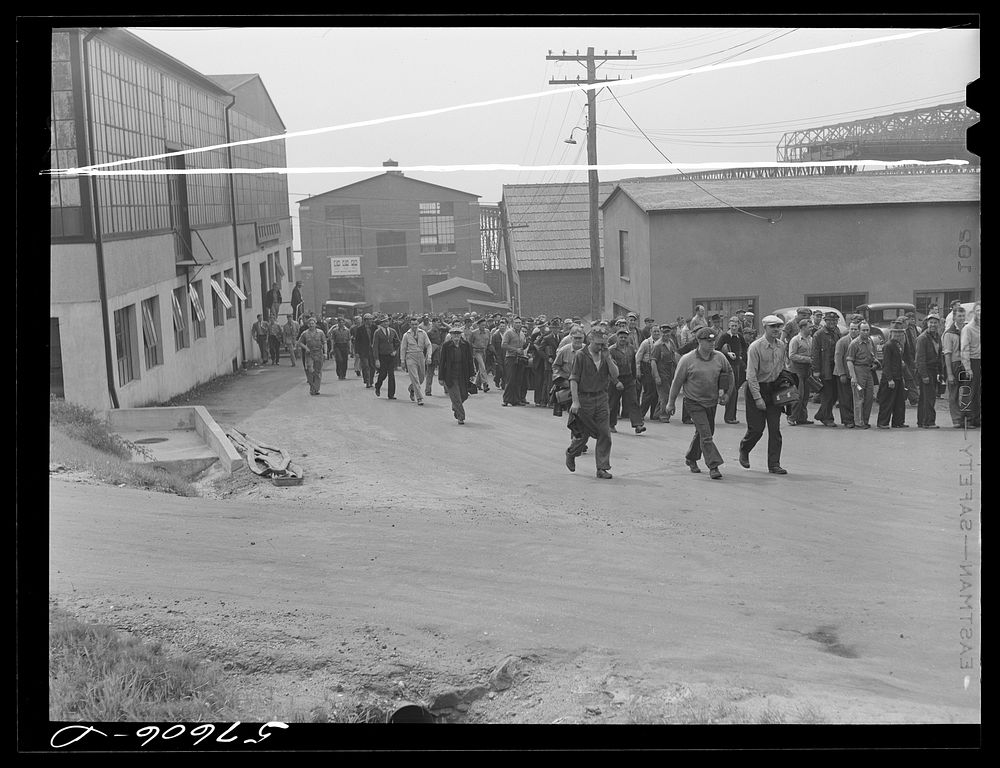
{"x":928,"y":358}
{"x":385,"y":341}
{"x":624,"y":358}
{"x":892,"y":360}
{"x":457,"y":366}
{"x":363,"y":340}
{"x":824,"y":345}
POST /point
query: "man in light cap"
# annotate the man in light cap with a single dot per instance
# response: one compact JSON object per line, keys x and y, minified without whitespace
{"x":593,"y":372}
{"x":457,"y":369}
{"x":892,"y":387}
{"x":767,"y":357}
{"x":707,"y":380}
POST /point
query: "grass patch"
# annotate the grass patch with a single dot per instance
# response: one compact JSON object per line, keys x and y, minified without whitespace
{"x":82,"y":424}
{"x":97,"y":674}
{"x":111,"y":467}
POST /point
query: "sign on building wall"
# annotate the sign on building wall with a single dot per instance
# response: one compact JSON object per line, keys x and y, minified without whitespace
{"x":345,"y":266}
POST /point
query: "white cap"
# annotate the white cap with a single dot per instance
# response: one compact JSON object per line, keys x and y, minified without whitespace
{"x":771,"y":319}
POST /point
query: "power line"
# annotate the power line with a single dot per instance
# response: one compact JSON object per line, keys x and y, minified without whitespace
{"x":768,"y":219}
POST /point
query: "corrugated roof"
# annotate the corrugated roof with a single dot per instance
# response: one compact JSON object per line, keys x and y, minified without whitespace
{"x":859,"y":189}
{"x":457,"y":282}
{"x":557,"y":215}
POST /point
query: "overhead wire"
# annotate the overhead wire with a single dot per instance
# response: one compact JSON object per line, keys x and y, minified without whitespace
{"x":768,"y":219}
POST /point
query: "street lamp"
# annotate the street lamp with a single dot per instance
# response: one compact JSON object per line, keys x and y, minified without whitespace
{"x":571,"y":140}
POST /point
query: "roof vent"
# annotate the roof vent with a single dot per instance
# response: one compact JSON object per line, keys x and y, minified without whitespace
{"x":390,"y":163}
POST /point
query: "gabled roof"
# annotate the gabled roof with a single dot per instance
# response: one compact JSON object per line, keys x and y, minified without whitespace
{"x":557,"y":216}
{"x":458,"y":282}
{"x":858,"y":189}
{"x":252,"y":97}
{"x":388,"y":175}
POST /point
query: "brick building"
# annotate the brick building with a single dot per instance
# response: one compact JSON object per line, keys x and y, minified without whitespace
{"x":386,"y":240}
{"x":550,"y":246}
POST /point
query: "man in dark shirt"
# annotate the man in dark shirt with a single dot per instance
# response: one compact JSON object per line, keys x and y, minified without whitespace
{"x":593,"y":372}
{"x":385,"y":343}
{"x":363,"y":349}
{"x":928,"y":361}
{"x":457,"y":368}
{"x":892,"y":389}
{"x":823,"y":350}
{"x":623,"y":353}
{"x":297,"y":300}
{"x":734,"y":347}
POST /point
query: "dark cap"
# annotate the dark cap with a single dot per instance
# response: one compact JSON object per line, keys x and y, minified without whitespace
{"x":804,"y":323}
{"x":803,"y":311}
{"x":666,"y":327}
{"x":705,"y":333}
{"x":623,"y":331}
{"x":831,"y":316}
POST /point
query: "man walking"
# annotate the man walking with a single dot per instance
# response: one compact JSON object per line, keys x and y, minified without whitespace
{"x":766,"y":359}
{"x":593,"y":372}
{"x":824,"y":349}
{"x":515,"y":360}
{"x":289,"y":337}
{"x":384,"y":345}
{"x":845,"y":393}
{"x":261,"y":332}
{"x":706,"y":377}
{"x":971,"y":361}
{"x":892,"y":387}
{"x":297,"y":300}
{"x":272,"y":301}
{"x":860,"y":362}
{"x":479,"y":340}
{"x":649,"y":401}
{"x":312,"y":342}
{"x":340,"y":338}
{"x":275,"y":335}
{"x":416,"y":351}
{"x":800,"y":363}
{"x":663,"y":364}
{"x":499,"y":356}
{"x":363,"y":335}
{"x":928,"y":360}
{"x":562,"y":367}
{"x":623,"y":394}
{"x":734,"y":347}
{"x":457,"y":368}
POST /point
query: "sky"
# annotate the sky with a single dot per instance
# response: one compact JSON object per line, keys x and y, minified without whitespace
{"x":327,"y":75}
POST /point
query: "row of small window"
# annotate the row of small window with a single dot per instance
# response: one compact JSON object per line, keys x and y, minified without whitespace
{"x":126,"y":337}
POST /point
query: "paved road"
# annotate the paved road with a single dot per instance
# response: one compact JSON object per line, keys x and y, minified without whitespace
{"x":840,"y":584}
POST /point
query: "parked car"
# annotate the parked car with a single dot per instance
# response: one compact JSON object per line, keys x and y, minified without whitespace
{"x":879,"y":316}
{"x":347,"y":309}
{"x":788,"y":313}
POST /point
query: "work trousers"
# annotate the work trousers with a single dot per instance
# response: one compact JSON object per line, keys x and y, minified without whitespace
{"x":498,"y":372}
{"x":975,"y":396}
{"x":357,"y":364}
{"x":513,"y":376}
{"x":649,"y":401}
{"x":543,"y":383}
{"x":891,"y":402}
{"x":827,"y":399}
{"x":340,"y":353}
{"x":594,"y":408}
{"x":800,"y":411}
{"x":262,"y":345}
{"x":274,"y":344}
{"x":703,"y":442}
{"x":757,"y":420}
{"x":367,"y":368}
{"x":625,"y":399}
{"x":455,"y":393}
{"x":864,"y":393}
{"x":926,"y":415}
{"x":314,"y":372}
{"x":416,"y":368}
{"x":845,"y":396}
{"x":663,"y":397}
{"x":387,"y":370}
{"x":482,"y":376}
{"x":912,"y":387}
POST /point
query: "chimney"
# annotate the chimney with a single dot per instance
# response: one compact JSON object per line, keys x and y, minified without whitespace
{"x":390,"y":163}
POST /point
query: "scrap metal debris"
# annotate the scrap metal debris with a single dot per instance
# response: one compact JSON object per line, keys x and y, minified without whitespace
{"x":265,"y":460}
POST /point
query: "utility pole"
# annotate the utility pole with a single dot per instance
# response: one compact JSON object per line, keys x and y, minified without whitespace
{"x":596,"y":284}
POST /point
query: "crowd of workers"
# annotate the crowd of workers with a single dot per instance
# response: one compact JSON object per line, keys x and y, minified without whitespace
{"x":610,"y":370}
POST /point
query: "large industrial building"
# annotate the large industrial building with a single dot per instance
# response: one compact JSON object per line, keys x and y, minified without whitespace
{"x":156,"y":280}
{"x":838,"y":241}
{"x":385,"y":240}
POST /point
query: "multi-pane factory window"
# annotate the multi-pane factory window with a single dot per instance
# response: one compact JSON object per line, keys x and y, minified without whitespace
{"x":437,"y":227}
{"x":182,"y":334}
{"x":126,"y":349}
{"x":151,"y":332}
{"x":65,"y":204}
{"x":342,"y":225}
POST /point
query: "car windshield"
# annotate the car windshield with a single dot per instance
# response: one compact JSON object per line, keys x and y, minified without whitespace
{"x":888,"y":315}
